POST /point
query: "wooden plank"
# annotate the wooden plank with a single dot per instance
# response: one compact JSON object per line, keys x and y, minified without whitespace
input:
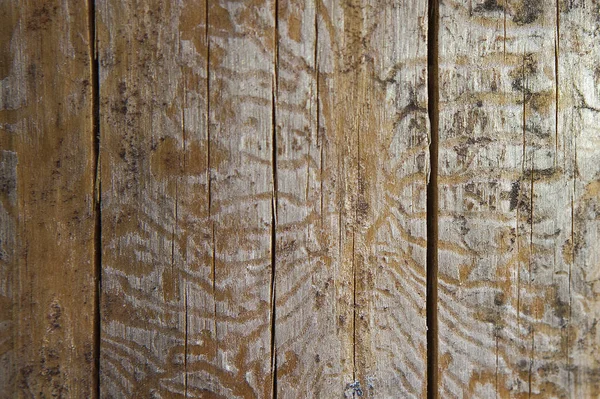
{"x":156,"y":299}
{"x":512,"y":278}
{"x":187,"y":198}
{"x":47,"y":207}
{"x":496,"y":113}
{"x":351,"y":168}
{"x":242,"y":44}
{"x":575,"y":203}
{"x":308,"y":347}
{"x":188,"y":237}
{"x":380,"y":80}
{"x":313,"y":290}
{"x":390,"y":253}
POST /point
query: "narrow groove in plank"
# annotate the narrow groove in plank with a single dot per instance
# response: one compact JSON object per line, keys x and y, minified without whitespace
{"x":354,"y":304}
{"x":556,"y":90}
{"x":432,"y":201}
{"x":95,"y":100}
{"x":208,"y":133}
{"x":274,"y":200}
{"x":213,"y":263}
{"x":209,"y":179}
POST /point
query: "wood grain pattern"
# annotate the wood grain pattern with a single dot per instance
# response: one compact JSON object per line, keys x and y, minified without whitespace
{"x":313,"y":310}
{"x":242,"y":80}
{"x":278,"y":203}
{"x":382,"y":166}
{"x":517,"y":309}
{"x":157,"y":252}
{"x":47,"y":208}
{"x":187,"y":198}
{"x":351,"y":168}
{"x":578,"y":117}
{"x":255,"y":211}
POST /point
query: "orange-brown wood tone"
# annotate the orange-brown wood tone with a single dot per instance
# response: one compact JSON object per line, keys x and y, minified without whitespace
{"x":47,"y":208}
{"x":299,"y":199}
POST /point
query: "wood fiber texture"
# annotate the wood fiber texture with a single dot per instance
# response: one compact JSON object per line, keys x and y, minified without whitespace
{"x":233,"y":199}
{"x":352,"y":164}
{"x":47,"y":207}
{"x":248,"y":236}
{"x":518,"y":191}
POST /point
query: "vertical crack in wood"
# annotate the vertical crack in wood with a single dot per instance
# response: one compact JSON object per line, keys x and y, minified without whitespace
{"x":173,"y":228}
{"x":208,"y":138}
{"x":95,"y":104}
{"x":320,"y":140}
{"x":357,"y":200}
{"x":531,"y":250}
{"x":520,"y":196}
{"x":432,"y":200}
{"x":209,"y":179}
{"x":184,"y":167}
{"x":571,"y":264}
{"x":185,"y":344}
{"x":214,"y":290}
{"x":185,"y":89}
{"x":354,"y":306}
{"x":274,"y":204}
{"x":504,"y":26}
{"x":556,"y":93}
{"x":526,"y":92}
{"x":497,"y":365}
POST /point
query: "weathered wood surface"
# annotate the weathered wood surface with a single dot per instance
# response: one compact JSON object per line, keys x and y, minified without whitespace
{"x":518,"y":196}
{"x":187,"y":198}
{"x":263,"y":207}
{"x":247,"y":235}
{"x":578,"y":123}
{"x":242,"y":50}
{"x":352,"y":130}
{"x":47,"y":208}
{"x":157,"y":296}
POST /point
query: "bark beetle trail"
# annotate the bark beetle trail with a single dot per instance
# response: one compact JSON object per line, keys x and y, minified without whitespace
{"x":432,"y":202}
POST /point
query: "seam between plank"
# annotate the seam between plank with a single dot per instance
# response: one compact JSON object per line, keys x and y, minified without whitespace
{"x":432,"y":201}
{"x":273,"y":288}
{"x":95,"y":105}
